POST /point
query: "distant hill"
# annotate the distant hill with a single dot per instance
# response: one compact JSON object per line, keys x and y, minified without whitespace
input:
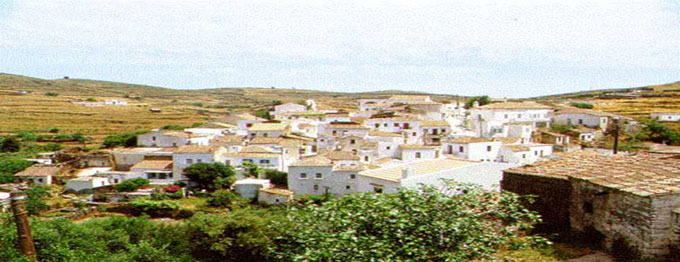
{"x":658,"y":89}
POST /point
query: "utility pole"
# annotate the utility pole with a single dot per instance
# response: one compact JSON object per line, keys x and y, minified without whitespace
{"x":23,"y":228}
{"x":616,"y":135}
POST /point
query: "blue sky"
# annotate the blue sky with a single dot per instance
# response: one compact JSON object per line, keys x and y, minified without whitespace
{"x":505,"y":48}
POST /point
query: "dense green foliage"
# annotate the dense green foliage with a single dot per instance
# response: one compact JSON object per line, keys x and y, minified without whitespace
{"x":277,"y":177}
{"x":559,"y":128}
{"x":35,"y":199}
{"x":225,"y":199}
{"x":659,"y":133}
{"x":581,"y":105}
{"x":126,"y":139}
{"x":410,"y":225}
{"x":131,"y":185}
{"x":9,"y":144}
{"x":9,"y":166}
{"x":482,"y":100}
{"x":173,"y":127}
{"x":251,"y":170}
{"x":263,"y":113}
{"x":211,"y":176}
{"x":407,"y":226}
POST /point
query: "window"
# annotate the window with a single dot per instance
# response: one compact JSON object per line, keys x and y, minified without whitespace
{"x":316,"y":187}
{"x":461,"y":149}
{"x":248,"y":160}
{"x":353,"y":176}
{"x":535,"y":153}
{"x":506,"y":116}
{"x":265,"y":134}
{"x":353,"y":141}
{"x":303,"y":175}
{"x":388,"y":147}
{"x":335,"y":132}
{"x":377,"y":189}
{"x":319,"y":176}
{"x":227,"y":162}
{"x":40,"y":180}
{"x":580,"y":121}
{"x":199,"y":160}
{"x":541,"y":152}
{"x":519,"y":115}
{"x":418,"y":155}
{"x":414,"y":133}
{"x":366,"y":158}
{"x":588,"y":207}
{"x":347,"y":187}
{"x":174,"y":144}
{"x":115,"y":180}
{"x":385,"y":124}
{"x":153,"y":138}
{"x":524,"y":155}
{"x":488,"y":148}
{"x":396,"y":124}
{"x":377,"y":125}
{"x":264,"y":161}
{"x":190,"y":161}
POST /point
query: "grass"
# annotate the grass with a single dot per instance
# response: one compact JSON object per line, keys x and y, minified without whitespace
{"x":556,"y":252}
{"x":191,"y":203}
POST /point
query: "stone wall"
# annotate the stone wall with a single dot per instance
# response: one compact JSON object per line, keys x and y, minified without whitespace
{"x":645,"y":223}
{"x":551,"y":202}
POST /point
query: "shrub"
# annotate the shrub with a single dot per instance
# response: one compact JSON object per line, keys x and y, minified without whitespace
{"x":225,"y":199}
{"x":9,"y":144}
{"x":51,"y":94}
{"x":263,"y":113}
{"x":277,"y":177}
{"x":482,"y":100}
{"x":27,"y":136}
{"x":211,"y":176}
{"x":131,"y":185}
{"x":13,"y":165}
{"x":195,"y":125}
{"x":35,"y":199}
{"x":581,"y":105}
{"x":198,"y":104}
{"x":53,"y":130}
{"x":173,"y":127}
{"x":126,"y":139}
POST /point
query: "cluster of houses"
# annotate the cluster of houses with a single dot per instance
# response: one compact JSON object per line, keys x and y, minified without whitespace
{"x":408,"y":141}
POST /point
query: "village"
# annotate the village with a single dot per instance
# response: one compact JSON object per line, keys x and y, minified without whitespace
{"x":299,"y":151}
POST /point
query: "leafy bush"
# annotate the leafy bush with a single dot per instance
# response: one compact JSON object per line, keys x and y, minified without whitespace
{"x":424,"y":225}
{"x":198,"y":104}
{"x":53,"y":130}
{"x":211,"y":176}
{"x":13,"y":165}
{"x":225,"y":199}
{"x":126,"y":139}
{"x":277,"y":177}
{"x":27,"y":136}
{"x":581,"y":105}
{"x":559,"y":128}
{"x":173,"y":127}
{"x":195,"y":125}
{"x":659,"y":133}
{"x":482,"y":100}
{"x":35,"y":199}
{"x":9,"y":144}
{"x":91,"y":99}
{"x":51,"y":94}
{"x":263,"y":113}
{"x":150,"y":205}
{"x":131,"y":185}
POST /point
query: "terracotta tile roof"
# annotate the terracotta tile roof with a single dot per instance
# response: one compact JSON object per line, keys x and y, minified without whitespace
{"x":420,"y":168}
{"x":268,"y":127}
{"x":40,"y":171}
{"x":228,"y":140}
{"x":314,"y":161}
{"x":342,"y":155}
{"x":153,"y":164}
{"x":514,"y":105}
{"x":411,"y":146}
{"x":384,"y":134}
{"x":430,"y":123}
{"x":188,"y":149}
{"x":642,"y":174}
{"x":278,"y":191}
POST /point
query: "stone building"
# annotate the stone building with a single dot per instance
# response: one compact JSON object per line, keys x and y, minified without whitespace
{"x":632,"y":198}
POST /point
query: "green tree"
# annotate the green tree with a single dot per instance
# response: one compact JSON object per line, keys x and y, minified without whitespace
{"x":35,"y":199}
{"x":411,"y":225}
{"x":27,"y":136}
{"x":582,"y":105}
{"x":482,"y":100}
{"x":659,"y":133}
{"x":225,"y":199}
{"x":263,"y":113}
{"x":131,"y":185}
{"x":211,"y":176}
{"x":126,"y":139}
{"x":277,"y":177}
{"x":9,"y":167}
{"x":10,"y":144}
{"x":251,"y":170}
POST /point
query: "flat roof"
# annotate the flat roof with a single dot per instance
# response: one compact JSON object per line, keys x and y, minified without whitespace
{"x":420,"y":168}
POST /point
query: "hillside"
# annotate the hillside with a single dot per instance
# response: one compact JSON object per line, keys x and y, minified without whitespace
{"x":40,"y":111}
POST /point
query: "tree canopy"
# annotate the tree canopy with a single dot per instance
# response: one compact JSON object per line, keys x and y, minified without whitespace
{"x":211,"y":176}
{"x":482,"y":100}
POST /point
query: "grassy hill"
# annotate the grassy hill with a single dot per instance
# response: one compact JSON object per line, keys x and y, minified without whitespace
{"x":48,"y":104}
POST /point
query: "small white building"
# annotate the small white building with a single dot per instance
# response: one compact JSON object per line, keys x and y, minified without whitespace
{"x":39,"y":175}
{"x":115,"y":102}
{"x":489,"y":120}
{"x":419,"y":152}
{"x":157,"y":171}
{"x":318,"y":175}
{"x":274,"y":196}
{"x":171,"y":139}
{"x":473,"y":148}
{"x":265,"y":158}
{"x":124,"y":158}
{"x":288,"y":107}
{"x":193,"y":154}
{"x":249,"y":187}
{"x":268,"y":130}
{"x":667,"y":117}
{"x":583,"y":117}
{"x":525,"y":154}
{"x":431,"y":172}
{"x":87,"y":183}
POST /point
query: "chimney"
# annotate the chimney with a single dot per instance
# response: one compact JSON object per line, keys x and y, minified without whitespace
{"x":407,"y":172}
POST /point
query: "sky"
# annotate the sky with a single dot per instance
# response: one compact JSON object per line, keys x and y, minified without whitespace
{"x":507,"y":48}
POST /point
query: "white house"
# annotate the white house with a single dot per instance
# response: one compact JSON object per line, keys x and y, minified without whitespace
{"x":388,"y":143}
{"x":668,"y":116}
{"x":157,"y":171}
{"x":124,"y":158}
{"x":39,"y":175}
{"x":192,"y":154}
{"x":265,"y":158}
{"x":430,"y":172}
{"x":525,"y":154}
{"x":473,"y":148}
{"x":288,"y":107}
{"x":268,"y":130}
{"x":333,"y":174}
{"x":434,"y":130}
{"x":274,"y":196}
{"x":583,"y":117}
{"x":115,"y":102}
{"x":82,"y":183}
{"x":418,"y":152}
{"x":171,"y":139}
{"x":249,"y":187}
{"x":488,"y":120}
{"x":233,"y":143}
